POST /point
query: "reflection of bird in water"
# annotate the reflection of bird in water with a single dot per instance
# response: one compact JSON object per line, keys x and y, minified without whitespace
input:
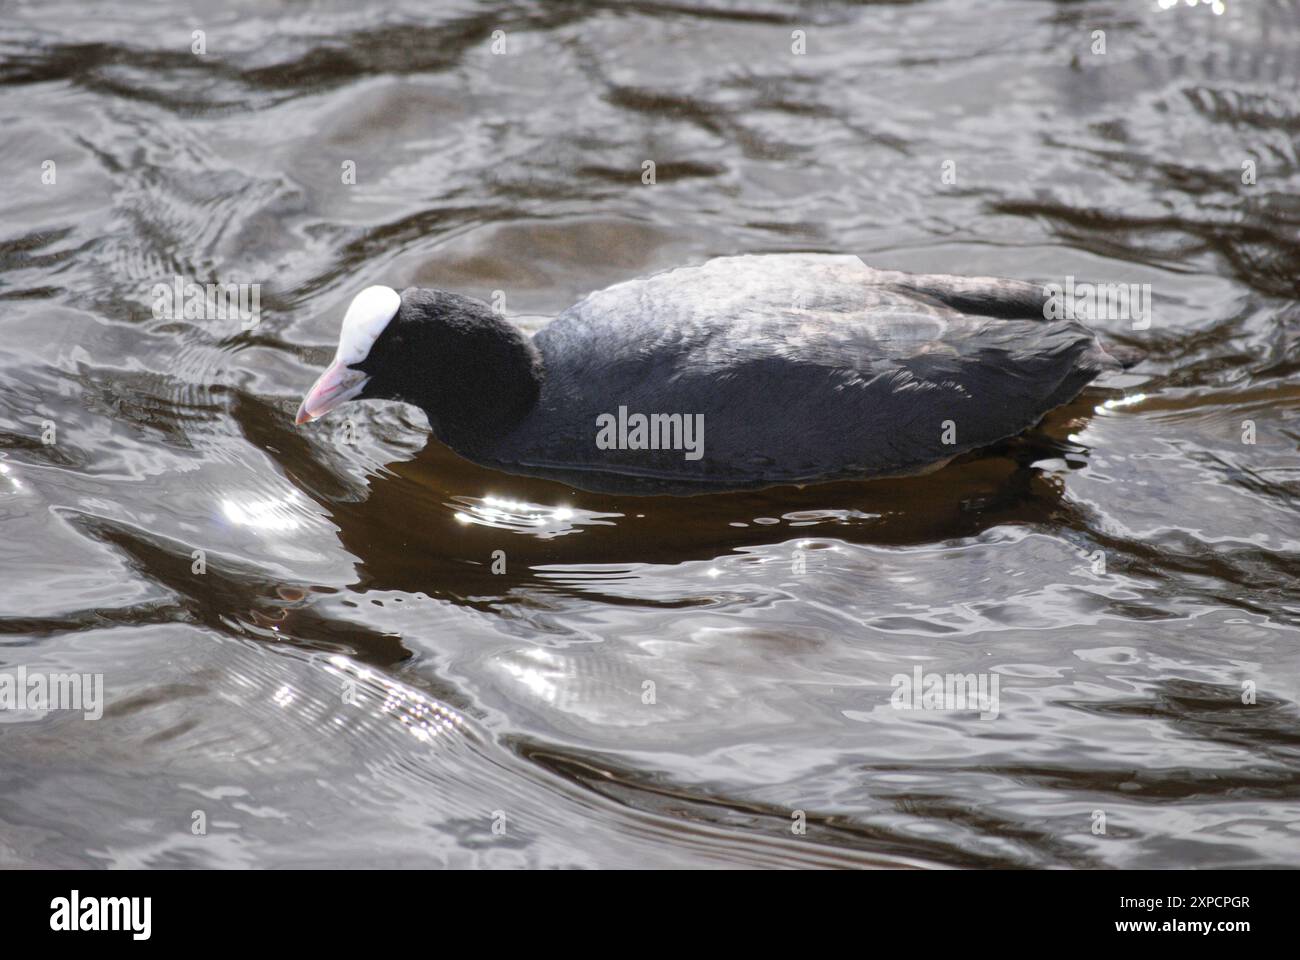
{"x":431,"y":525}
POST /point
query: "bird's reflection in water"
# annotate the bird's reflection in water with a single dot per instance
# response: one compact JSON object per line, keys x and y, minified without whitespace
{"x":421,"y":530}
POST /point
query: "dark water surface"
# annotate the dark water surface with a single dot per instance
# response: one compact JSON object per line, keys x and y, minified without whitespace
{"x":770,"y":624}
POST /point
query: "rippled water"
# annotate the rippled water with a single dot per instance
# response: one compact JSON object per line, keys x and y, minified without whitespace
{"x":350,"y":682}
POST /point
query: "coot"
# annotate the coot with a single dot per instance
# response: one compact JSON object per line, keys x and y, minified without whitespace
{"x":740,"y":373}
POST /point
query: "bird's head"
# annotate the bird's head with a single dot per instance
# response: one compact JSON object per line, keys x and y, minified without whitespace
{"x":471,"y":371}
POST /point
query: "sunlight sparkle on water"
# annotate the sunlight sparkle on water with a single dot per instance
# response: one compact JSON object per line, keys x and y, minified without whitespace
{"x":498,"y":510}
{"x":1131,"y":400}
{"x":1216,"y":6}
{"x":8,"y":473}
{"x":272,"y":514}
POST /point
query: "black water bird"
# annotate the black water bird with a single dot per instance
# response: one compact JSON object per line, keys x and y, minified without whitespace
{"x":740,"y":373}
